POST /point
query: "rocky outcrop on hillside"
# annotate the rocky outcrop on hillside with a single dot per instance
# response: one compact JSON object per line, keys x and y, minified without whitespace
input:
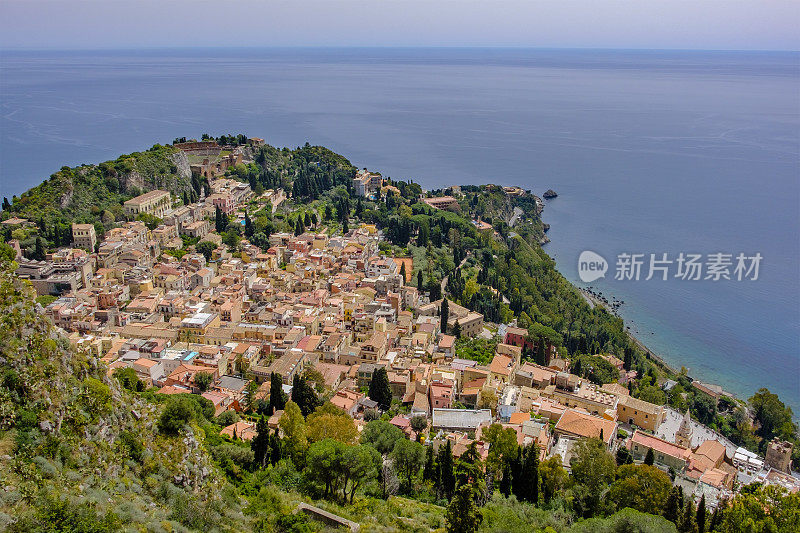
{"x":70,"y":434}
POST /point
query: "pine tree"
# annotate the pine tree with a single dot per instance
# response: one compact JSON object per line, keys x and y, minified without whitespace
{"x":649,"y":459}
{"x":701,"y":514}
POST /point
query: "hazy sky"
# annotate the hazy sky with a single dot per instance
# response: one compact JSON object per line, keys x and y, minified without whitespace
{"x":701,"y":24}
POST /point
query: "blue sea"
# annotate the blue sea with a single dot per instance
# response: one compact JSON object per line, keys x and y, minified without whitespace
{"x":649,"y":151}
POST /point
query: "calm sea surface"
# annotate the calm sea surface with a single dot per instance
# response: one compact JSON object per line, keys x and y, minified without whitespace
{"x":650,"y":152}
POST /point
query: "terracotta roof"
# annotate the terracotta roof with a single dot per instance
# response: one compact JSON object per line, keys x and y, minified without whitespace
{"x":659,"y":445}
{"x":585,"y":425}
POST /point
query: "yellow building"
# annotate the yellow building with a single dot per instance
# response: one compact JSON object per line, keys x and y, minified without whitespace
{"x":155,"y":203}
{"x":640,"y":413}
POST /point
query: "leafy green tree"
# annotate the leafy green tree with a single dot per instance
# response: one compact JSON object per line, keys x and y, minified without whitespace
{"x":687,"y":523}
{"x":330,"y":422}
{"x":418,"y":424}
{"x":360,"y":465}
{"x":554,"y":478}
{"x":641,"y":487}
{"x":408,"y":457}
{"x":203,"y":380}
{"x":177,"y":413}
{"x":704,"y":408}
{"x":463,"y":515}
{"x":526,"y":485}
{"x":293,"y":427}
{"x":593,"y":470}
{"x":773,"y":417}
{"x":627,"y":521}
{"x":323,"y":463}
{"x":381,"y":435}
{"x":624,"y":456}
{"x":206,"y":248}
{"x":379,"y":390}
{"x":762,"y":509}
{"x":129,"y":380}
{"x":502,"y":446}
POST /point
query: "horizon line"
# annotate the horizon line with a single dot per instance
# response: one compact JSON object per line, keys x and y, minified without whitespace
{"x":390,"y":47}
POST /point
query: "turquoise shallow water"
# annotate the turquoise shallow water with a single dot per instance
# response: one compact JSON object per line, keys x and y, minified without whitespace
{"x":650,"y":152}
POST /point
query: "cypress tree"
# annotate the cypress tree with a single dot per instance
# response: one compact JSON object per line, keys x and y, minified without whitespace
{"x":541,"y":355}
{"x":403,"y":271}
{"x":261,"y":443}
{"x":445,"y":315}
{"x":517,"y":481}
{"x":447,"y":478}
{"x":276,"y":395}
{"x":379,"y":389}
{"x":275,"y":448}
{"x":650,"y":458}
{"x":529,"y":476}
{"x":505,"y":482}
{"x":419,"y":280}
{"x":429,"y":473}
{"x":672,"y":508}
{"x":687,"y":523}
{"x":701,"y":514}
{"x":716,"y":518}
{"x":39,"y":252}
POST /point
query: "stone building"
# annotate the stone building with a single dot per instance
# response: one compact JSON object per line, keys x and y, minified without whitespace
{"x":779,"y":455}
{"x":84,"y":236}
{"x":155,"y":203}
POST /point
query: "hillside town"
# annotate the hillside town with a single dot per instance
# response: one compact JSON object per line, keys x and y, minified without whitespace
{"x":332,"y":308}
